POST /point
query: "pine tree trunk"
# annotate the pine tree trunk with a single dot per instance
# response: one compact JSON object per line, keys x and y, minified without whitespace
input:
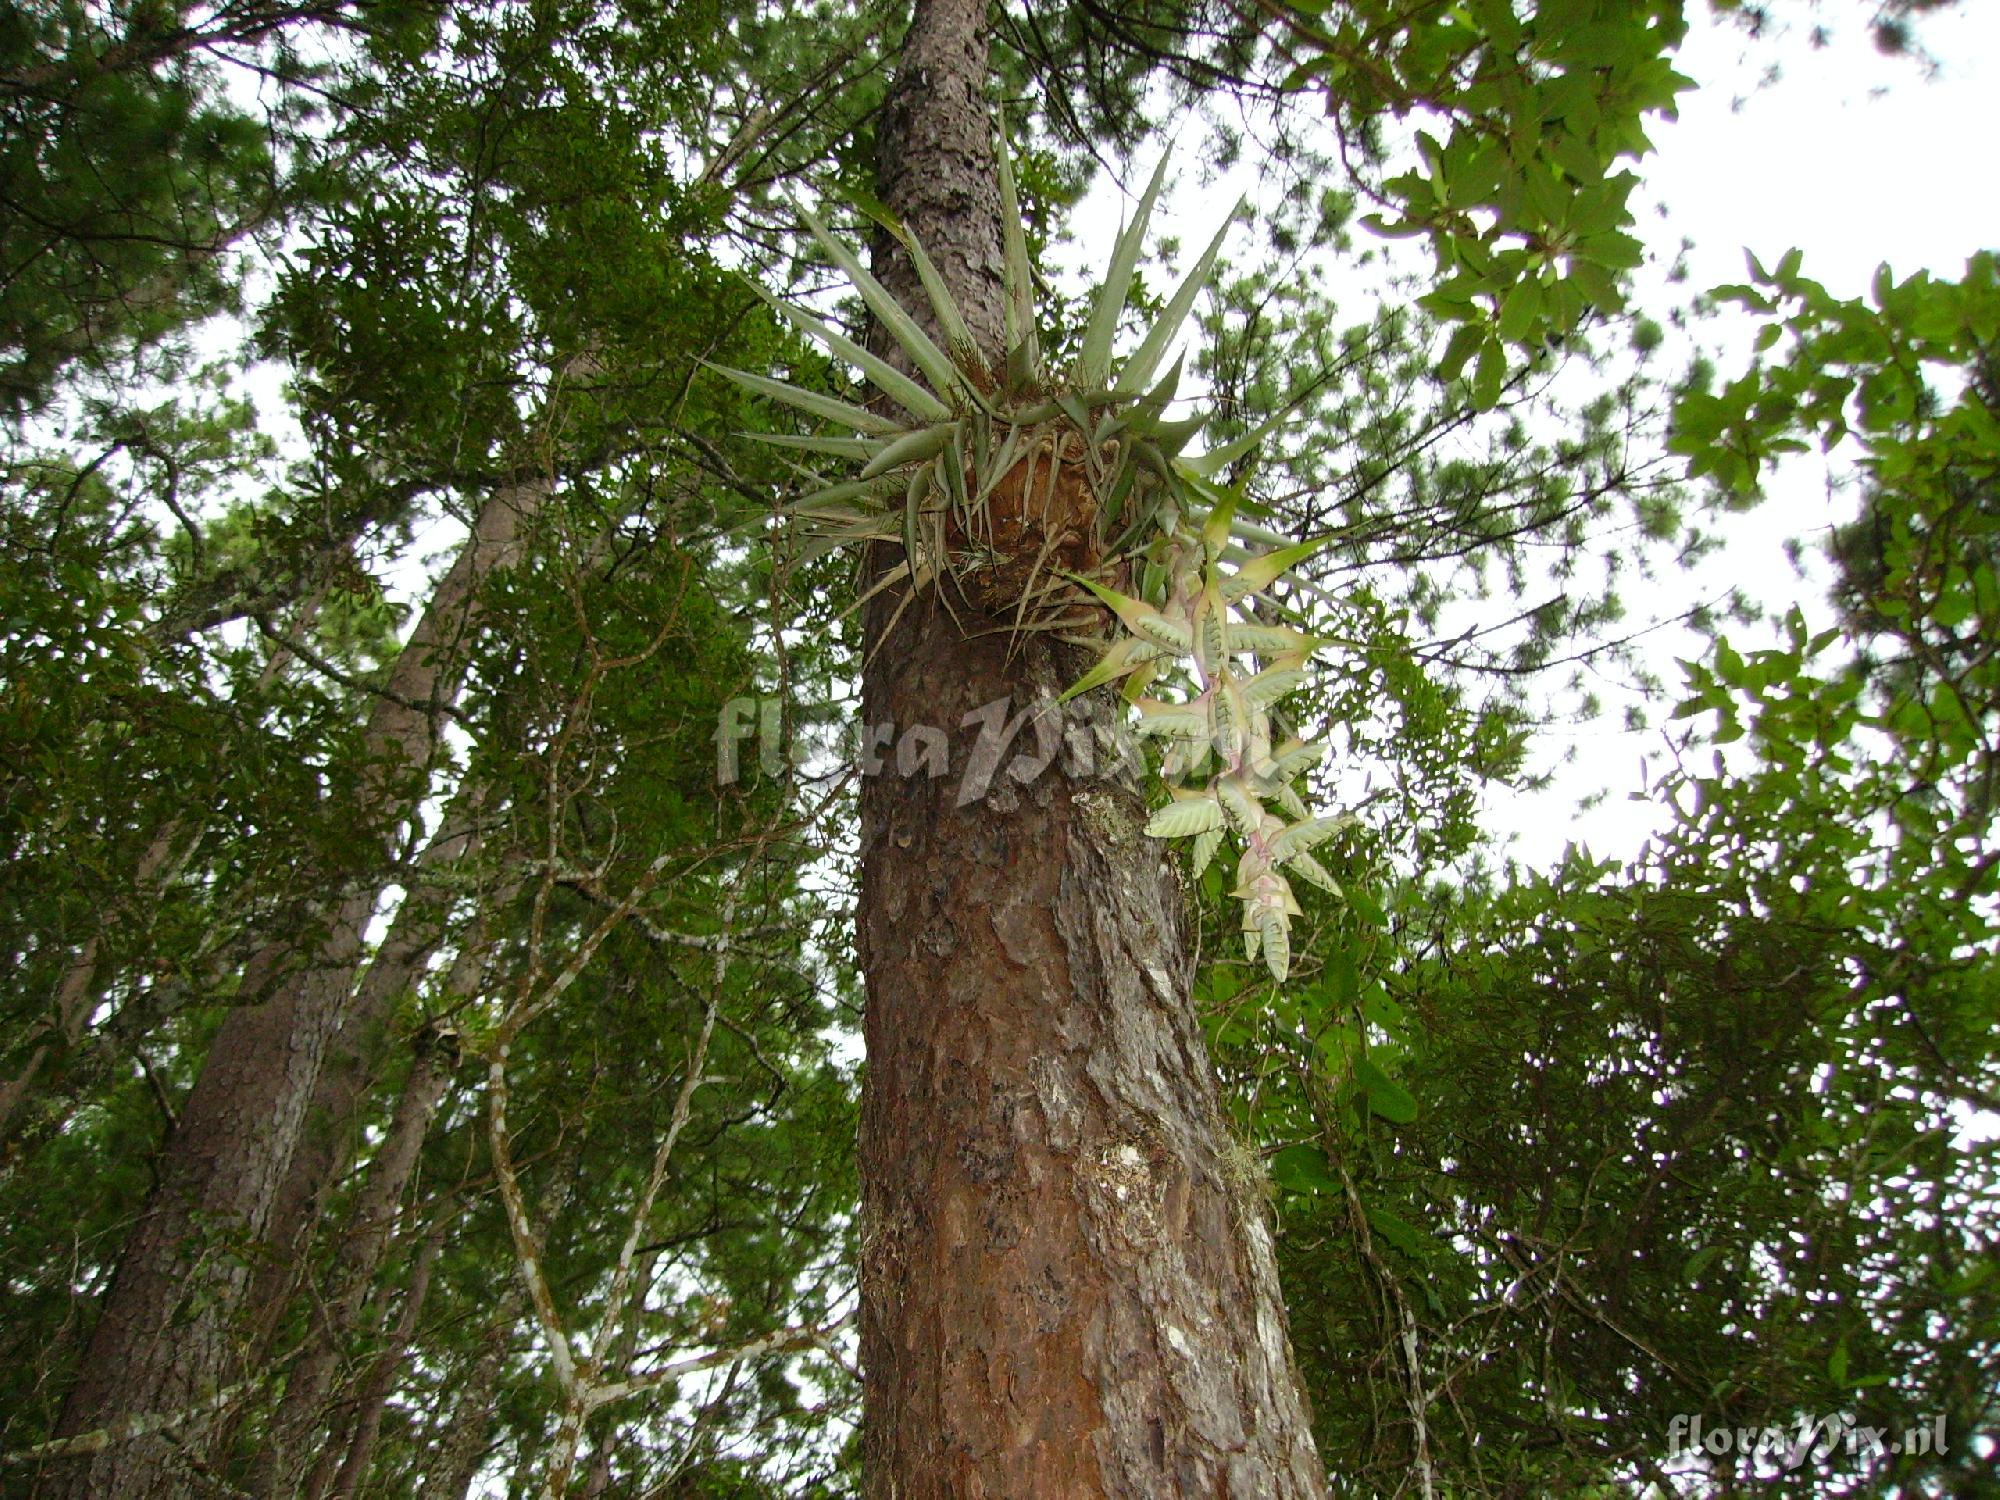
{"x":1067,"y":1287}
{"x":334,"y":1315}
{"x":352,"y":1066}
{"x":176,"y":1324}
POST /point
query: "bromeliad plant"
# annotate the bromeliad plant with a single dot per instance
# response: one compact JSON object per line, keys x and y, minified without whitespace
{"x":1227,"y":718}
{"x":1028,"y":493}
{"x":998,"y":480}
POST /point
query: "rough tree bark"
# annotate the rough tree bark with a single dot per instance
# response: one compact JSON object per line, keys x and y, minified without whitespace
{"x":334,"y":1315}
{"x":172,"y":1330}
{"x":1068,"y":1289}
{"x":355,"y":1056}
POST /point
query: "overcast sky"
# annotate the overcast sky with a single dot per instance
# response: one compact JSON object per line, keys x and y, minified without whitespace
{"x":1856,"y":157}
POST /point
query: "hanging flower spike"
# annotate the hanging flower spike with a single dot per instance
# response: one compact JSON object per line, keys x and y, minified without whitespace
{"x":1228,"y":716}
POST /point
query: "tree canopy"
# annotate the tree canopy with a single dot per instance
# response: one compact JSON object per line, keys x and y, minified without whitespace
{"x":406,"y":629}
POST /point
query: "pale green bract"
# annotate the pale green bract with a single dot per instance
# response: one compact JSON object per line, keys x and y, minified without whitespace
{"x":1020,"y":487}
{"x":1227,"y":719}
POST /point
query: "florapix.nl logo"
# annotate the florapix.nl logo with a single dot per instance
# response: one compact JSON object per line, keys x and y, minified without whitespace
{"x":1812,"y":1439}
{"x":998,"y":742}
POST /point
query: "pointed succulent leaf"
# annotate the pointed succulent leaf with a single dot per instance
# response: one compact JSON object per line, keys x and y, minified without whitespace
{"x":1024,"y":354}
{"x":1174,"y":436}
{"x":952,"y":462}
{"x":959,"y":342}
{"x":1215,"y":530}
{"x":1296,"y":755}
{"x":1271,"y":684}
{"x":863,"y":530}
{"x":1240,"y":805}
{"x":1094,"y":357}
{"x":1302,"y":837}
{"x":1141,"y":618}
{"x":865,"y":493}
{"x":884,"y":376}
{"x":828,"y":408}
{"x":1232,"y":719}
{"x":1270,"y":640}
{"x":1146,"y":516}
{"x":1205,"y":845}
{"x":910,"y":448}
{"x":1024,"y":364}
{"x":1276,"y":932}
{"x":1146,"y":455}
{"x":1185,"y":816}
{"x":1208,"y":465}
{"x":1126,"y":655}
{"x":1142,"y":677}
{"x":1161,"y":396}
{"x":998,"y":467}
{"x":913,"y":512}
{"x":1211,"y":634}
{"x":1247,"y":532}
{"x":1120,"y":488}
{"x":1260,"y":573}
{"x":979,"y":435}
{"x":1139,"y":369}
{"x":1314,"y":871}
{"x":836,"y":520}
{"x":1179,"y":721}
{"x":860,"y":449}
{"x":937,"y":368}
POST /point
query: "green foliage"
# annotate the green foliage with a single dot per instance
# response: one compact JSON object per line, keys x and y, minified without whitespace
{"x":501,"y":273}
{"x":1700,"y":1134}
{"x":126,"y":179}
{"x":1526,"y":214}
{"x":1554,"y":1158}
{"x":1615,"y":1146}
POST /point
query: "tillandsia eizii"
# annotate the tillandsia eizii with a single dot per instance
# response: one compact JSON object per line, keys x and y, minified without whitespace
{"x":1225,"y":725}
{"x":1026,"y":490}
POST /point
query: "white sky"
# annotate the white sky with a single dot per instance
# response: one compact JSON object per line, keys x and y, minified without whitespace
{"x":1856,"y":157}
